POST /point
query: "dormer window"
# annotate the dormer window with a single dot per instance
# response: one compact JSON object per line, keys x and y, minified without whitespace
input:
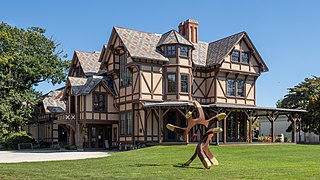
{"x":171,"y":51}
{"x":235,"y":57}
{"x":184,"y":51}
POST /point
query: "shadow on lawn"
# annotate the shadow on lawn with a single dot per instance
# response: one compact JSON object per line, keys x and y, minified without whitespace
{"x":173,"y":165}
{"x":184,"y":166}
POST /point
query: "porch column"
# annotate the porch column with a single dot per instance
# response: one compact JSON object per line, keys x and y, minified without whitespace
{"x":71,"y":137}
{"x":250,"y":129}
{"x":218,"y":134}
{"x":294,"y":130}
{"x":159,"y":127}
{"x":225,"y":130}
{"x":300,"y":130}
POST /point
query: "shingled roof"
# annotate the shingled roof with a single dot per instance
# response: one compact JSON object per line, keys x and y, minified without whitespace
{"x":219,"y":49}
{"x":52,"y":103}
{"x":140,"y":44}
{"x":144,"y":45}
{"x":89,"y":61}
{"x":83,"y":86}
{"x":173,"y":37}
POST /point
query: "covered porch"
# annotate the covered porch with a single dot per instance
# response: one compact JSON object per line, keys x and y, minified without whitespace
{"x":237,"y":126}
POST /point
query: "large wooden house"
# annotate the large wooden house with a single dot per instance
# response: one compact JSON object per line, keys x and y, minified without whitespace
{"x":125,"y":95}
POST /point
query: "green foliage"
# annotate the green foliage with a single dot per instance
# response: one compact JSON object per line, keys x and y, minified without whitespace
{"x":305,"y":95}
{"x":71,"y":147}
{"x":17,"y":138}
{"x":27,"y":57}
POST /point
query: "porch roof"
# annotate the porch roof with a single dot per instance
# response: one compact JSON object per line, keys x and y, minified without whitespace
{"x":259,"y":110}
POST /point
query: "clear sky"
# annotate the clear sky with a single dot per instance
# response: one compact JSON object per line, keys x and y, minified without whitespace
{"x":286,"y":33}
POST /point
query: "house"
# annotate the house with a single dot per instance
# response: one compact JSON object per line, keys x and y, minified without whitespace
{"x":127,"y":93}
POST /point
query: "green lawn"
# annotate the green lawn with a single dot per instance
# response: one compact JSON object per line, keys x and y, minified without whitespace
{"x":163,"y":162}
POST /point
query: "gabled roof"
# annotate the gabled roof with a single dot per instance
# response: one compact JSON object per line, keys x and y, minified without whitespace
{"x":52,"y":102}
{"x":219,"y":49}
{"x":140,"y":44}
{"x":173,"y":37}
{"x":83,"y":86}
{"x":88,"y":61}
{"x":77,"y":83}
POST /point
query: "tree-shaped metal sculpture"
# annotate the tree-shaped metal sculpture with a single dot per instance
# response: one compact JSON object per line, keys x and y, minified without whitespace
{"x":206,"y":157}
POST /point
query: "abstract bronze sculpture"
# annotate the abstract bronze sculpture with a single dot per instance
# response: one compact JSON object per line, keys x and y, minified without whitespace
{"x":202,"y":150}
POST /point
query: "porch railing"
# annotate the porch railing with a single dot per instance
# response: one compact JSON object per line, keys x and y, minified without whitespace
{"x":67,"y":116}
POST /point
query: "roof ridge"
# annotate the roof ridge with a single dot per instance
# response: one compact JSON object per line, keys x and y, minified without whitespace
{"x":135,"y":30}
{"x":227,"y":37}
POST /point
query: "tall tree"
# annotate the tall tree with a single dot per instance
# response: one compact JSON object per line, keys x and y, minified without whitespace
{"x":305,"y":95}
{"x":27,"y":57}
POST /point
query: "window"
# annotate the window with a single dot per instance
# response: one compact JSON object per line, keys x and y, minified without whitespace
{"x":231,"y":91}
{"x":235,"y":56}
{"x":99,"y":102}
{"x":122,"y":123}
{"x":184,"y":51}
{"x":240,"y":88}
{"x":171,"y":50}
{"x":245,"y":57}
{"x":125,"y":123}
{"x":236,"y":88}
{"x":125,"y":73}
{"x":185,"y":83}
{"x":172,"y":82}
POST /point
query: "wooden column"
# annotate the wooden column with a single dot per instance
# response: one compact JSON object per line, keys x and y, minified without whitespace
{"x":159,"y":127}
{"x":250,"y":129}
{"x":225,"y":130}
{"x":218,"y":134}
{"x":294,"y":130}
{"x":299,"y":130}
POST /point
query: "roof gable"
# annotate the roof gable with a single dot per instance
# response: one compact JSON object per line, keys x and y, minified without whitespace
{"x":89,"y":62}
{"x":219,"y":49}
{"x":173,"y":37}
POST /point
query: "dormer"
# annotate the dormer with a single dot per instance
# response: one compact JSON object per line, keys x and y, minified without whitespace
{"x":172,"y":44}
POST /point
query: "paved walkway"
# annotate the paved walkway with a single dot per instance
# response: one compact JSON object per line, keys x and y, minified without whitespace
{"x":47,"y":155}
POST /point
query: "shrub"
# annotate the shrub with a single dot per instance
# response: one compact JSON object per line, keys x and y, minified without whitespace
{"x":277,"y":140}
{"x":16,"y":138}
{"x":71,"y":147}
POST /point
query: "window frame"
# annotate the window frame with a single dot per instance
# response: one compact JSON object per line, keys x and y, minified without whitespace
{"x":186,"y":51}
{"x":173,"y":52}
{"x":125,"y":74}
{"x":234,"y":87}
{"x":238,"y":59}
{"x":242,"y":89}
{"x":104,"y":101}
{"x":187,"y":81}
{"x":248,"y":57}
{"x":175,"y":82}
{"x":126,"y":123}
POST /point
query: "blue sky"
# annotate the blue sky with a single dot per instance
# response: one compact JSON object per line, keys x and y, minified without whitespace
{"x":286,"y":33}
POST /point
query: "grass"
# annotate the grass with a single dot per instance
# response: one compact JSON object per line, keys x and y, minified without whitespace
{"x":163,"y":162}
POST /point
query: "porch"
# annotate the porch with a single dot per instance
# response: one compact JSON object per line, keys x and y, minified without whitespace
{"x":237,"y":126}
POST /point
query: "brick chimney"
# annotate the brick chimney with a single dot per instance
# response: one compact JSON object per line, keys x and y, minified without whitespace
{"x":189,"y":29}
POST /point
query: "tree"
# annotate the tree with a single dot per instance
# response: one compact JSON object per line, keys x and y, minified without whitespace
{"x":27,"y":57}
{"x":305,"y":95}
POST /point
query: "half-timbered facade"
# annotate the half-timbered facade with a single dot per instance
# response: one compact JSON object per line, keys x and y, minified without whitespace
{"x":125,"y":95}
